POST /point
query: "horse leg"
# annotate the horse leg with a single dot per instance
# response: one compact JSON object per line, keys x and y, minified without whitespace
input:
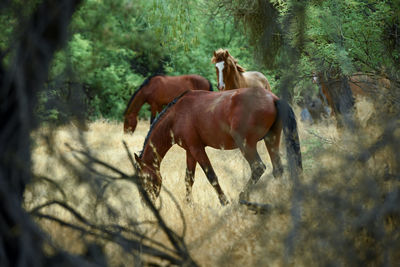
{"x":154,"y":109}
{"x":257,"y":169}
{"x":272,"y":141}
{"x":249,"y":151}
{"x":199,"y":154}
{"x":189,"y":178}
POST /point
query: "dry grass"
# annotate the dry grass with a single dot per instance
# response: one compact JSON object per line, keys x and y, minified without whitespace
{"x":215,"y":235}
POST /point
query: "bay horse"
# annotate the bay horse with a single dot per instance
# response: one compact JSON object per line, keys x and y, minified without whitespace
{"x":361,"y":85}
{"x":222,"y":120}
{"x":158,"y":91}
{"x":231,"y":75}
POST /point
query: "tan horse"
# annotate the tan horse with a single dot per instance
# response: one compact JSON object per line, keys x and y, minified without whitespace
{"x":232,"y":76}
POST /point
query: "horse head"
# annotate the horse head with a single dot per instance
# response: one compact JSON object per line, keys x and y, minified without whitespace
{"x":315,"y":78}
{"x":219,"y":59}
{"x":150,"y":177}
{"x":130,"y":123}
{"x":225,"y":66}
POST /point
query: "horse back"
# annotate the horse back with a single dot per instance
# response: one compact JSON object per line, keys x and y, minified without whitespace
{"x":220,"y":104}
{"x":197,"y":82}
{"x":212,"y":118}
{"x":163,"y":89}
{"x":367,"y":85}
{"x":253,"y":106}
{"x":256,"y":79}
{"x":361,"y":85}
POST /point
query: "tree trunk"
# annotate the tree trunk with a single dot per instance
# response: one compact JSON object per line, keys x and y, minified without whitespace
{"x":20,"y":239}
{"x":338,"y":90}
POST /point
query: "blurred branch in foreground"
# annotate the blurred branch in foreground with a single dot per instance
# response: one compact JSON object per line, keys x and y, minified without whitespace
{"x":22,"y":243}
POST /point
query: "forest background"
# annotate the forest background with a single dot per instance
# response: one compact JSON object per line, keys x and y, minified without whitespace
{"x":85,"y":59}
{"x":115,"y":45}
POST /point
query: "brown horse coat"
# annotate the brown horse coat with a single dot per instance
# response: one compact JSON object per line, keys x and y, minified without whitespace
{"x":222,"y":120}
{"x":158,"y":91}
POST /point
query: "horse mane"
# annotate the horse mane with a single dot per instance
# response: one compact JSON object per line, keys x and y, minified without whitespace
{"x":233,"y":62}
{"x":223,"y":55}
{"x":144,"y":83}
{"x":158,"y":118}
{"x":210,"y":84}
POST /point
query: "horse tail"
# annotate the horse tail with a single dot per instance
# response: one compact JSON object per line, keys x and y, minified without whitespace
{"x":286,"y":115}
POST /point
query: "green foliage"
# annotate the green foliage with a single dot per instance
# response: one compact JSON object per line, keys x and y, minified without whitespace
{"x":295,"y":39}
{"x":101,"y":53}
{"x":116,"y":45}
{"x":261,"y":20}
{"x":348,"y":35}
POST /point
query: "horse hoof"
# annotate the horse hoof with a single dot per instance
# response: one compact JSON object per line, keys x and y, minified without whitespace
{"x":257,"y":208}
{"x":277,"y":173}
{"x":224,"y":201}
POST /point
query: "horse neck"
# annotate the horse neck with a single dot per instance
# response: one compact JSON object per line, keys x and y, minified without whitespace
{"x":158,"y":142}
{"x":235,"y":79}
{"x":323,"y":87}
{"x":136,"y":103}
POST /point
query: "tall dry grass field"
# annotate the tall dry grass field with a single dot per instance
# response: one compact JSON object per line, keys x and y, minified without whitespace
{"x":215,"y":235}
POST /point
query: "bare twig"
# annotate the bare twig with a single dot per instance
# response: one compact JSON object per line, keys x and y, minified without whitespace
{"x":176,"y":241}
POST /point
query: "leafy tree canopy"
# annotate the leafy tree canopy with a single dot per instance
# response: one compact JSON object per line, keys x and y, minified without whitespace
{"x":115,"y":45}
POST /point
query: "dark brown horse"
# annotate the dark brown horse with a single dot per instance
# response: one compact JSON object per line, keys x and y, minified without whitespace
{"x":158,"y":91}
{"x":222,"y":120}
{"x":231,"y":75}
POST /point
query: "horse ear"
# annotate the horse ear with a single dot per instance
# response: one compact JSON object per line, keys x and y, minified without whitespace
{"x":214,"y":58}
{"x":227,"y":53}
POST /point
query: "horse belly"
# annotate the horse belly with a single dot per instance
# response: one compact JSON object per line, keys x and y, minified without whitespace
{"x":223,"y":138}
{"x":219,"y":140}
{"x":220,"y":135}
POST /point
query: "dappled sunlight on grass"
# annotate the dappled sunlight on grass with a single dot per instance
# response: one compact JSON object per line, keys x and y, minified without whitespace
{"x":215,"y":235}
